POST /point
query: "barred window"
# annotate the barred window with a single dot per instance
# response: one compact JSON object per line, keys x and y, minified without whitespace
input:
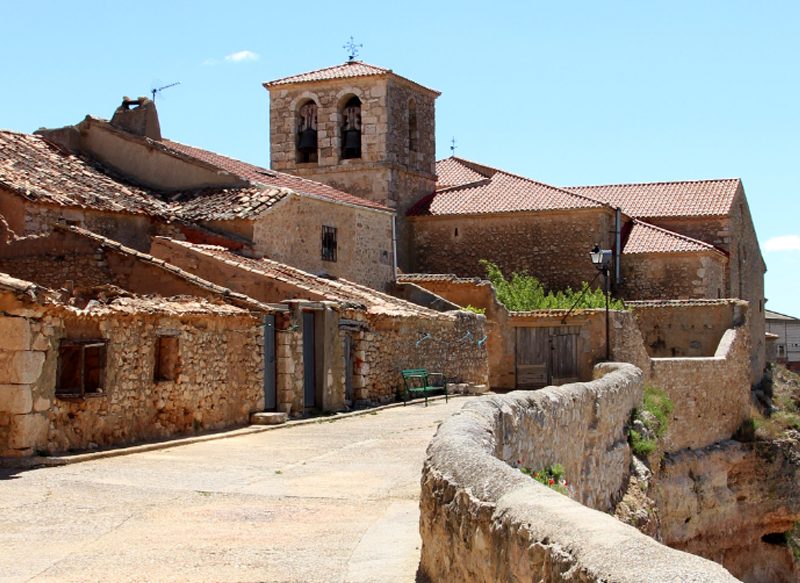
{"x":328,"y":243}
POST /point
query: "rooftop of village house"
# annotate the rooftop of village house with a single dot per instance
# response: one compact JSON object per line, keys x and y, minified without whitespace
{"x":339,"y":290}
{"x":466,"y":187}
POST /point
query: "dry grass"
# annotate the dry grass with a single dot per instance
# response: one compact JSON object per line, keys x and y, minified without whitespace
{"x":785,"y":413}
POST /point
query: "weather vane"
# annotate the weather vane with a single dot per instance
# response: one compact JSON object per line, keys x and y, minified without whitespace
{"x":352,"y":48}
{"x":453,"y":146}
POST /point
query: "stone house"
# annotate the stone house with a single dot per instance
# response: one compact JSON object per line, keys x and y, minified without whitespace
{"x":114,"y":369}
{"x":360,"y":338}
{"x":210,"y":198}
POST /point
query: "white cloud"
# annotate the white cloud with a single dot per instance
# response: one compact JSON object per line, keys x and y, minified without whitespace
{"x":783,"y":243}
{"x":241,"y":56}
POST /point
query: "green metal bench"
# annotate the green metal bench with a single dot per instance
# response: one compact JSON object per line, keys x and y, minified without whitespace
{"x":418,"y":381}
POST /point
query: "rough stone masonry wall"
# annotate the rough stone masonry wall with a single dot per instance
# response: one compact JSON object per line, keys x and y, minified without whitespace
{"x":711,"y":395}
{"x":678,"y":276}
{"x":483,"y":520}
{"x":23,"y":348}
{"x":364,"y":239}
{"x":682,"y":329}
{"x":552,"y":246}
{"x":219,"y":383}
{"x":394,"y":343}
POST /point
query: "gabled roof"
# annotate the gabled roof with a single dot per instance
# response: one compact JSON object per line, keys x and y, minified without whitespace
{"x":339,"y":290}
{"x":772,"y":315}
{"x":690,"y":198}
{"x":646,"y":238}
{"x":346,"y":70}
{"x":490,"y":190}
{"x":41,"y":172}
{"x":270,"y":178}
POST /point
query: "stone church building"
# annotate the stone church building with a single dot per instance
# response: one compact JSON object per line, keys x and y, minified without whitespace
{"x":366,"y":130}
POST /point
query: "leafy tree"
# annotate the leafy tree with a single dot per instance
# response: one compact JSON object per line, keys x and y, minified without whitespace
{"x":523,"y":293}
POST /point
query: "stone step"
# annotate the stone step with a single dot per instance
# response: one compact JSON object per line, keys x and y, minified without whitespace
{"x":268,"y":418}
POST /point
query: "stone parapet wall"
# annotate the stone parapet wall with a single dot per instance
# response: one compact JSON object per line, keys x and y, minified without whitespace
{"x":483,"y":520}
{"x":711,"y":395}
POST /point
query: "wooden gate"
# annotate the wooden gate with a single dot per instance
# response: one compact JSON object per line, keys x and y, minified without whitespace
{"x":546,"y":356}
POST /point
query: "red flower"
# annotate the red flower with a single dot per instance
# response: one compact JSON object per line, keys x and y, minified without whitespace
{"x":552,"y":481}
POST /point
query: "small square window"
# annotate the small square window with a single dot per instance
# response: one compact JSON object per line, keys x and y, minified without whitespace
{"x":81,"y":368}
{"x":328,"y":243}
{"x":167,"y":359}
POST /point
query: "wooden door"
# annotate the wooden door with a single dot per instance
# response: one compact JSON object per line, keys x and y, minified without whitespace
{"x":270,"y":389}
{"x":546,"y":356}
{"x":532,"y":355}
{"x":309,"y":361}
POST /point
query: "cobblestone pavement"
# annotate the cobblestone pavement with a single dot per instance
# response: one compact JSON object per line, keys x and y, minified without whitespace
{"x":331,"y":501}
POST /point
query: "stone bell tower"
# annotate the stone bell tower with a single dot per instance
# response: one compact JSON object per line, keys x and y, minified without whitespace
{"x":359,"y":128}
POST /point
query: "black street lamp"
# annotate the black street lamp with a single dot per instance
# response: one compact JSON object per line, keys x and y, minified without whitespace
{"x":601,"y":258}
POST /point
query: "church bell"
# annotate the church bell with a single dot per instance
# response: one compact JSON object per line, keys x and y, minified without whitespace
{"x":352,"y":143}
{"x":308,"y":140}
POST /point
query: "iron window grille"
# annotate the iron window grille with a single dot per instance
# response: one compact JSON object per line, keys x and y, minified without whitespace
{"x":328,"y":243}
{"x":81,"y":368}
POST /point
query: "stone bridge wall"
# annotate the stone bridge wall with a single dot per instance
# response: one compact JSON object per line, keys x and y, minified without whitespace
{"x":483,"y":520}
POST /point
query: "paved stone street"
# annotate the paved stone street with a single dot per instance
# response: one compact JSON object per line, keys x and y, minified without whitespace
{"x":332,"y":501}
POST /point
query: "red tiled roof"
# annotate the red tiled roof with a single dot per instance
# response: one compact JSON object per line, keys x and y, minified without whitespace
{"x":346,"y":70}
{"x":272,"y":178}
{"x":691,"y":198}
{"x":499,"y":192}
{"x":41,"y":172}
{"x":646,"y":238}
{"x":457,"y":172}
{"x":342,"y":71}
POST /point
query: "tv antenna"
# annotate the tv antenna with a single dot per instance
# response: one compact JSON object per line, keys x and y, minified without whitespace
{"x":157,"y":90}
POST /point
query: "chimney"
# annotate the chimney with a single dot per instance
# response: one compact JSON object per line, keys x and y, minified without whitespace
{"x":138,"y":116}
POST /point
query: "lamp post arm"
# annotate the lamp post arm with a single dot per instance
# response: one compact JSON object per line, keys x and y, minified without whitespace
{"x":580,"y":297}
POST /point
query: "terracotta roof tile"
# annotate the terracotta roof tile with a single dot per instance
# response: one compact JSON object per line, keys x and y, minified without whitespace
{"x":456,"y":172}
{"x":339,"y":290}
{"x":646,"y":238}
{"x":499,"y":192}
{"x":271,"y":178}
{"x":346,"y":70}
{"x":226,"y":204}
{"x":41,"y":172}
{"x":343,"y":71}
{"x":691,"y":198}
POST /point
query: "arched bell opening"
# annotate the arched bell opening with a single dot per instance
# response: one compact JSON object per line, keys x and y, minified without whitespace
{"x":306,"y":141}
{"x":351,"y":128}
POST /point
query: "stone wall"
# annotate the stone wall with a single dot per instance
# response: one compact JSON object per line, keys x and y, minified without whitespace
{"x":483,"y":520}
{"x":711,"y":395}
{"x":552,"y":246}
{"x":364,"y":251}
{"x":27,"y":218}
{"x":446,"y":344}
{"x":502,"y":325}
{"x":736,"y":236}
{"x":218,"y":381}
{"x":686,"y":329}
{"x":673,"y":275}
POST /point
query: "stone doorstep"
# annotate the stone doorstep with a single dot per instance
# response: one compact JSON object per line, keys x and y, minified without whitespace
{"x":268,"y":418}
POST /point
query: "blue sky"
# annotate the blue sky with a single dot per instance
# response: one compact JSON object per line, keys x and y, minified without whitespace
{"x":582,"y":92}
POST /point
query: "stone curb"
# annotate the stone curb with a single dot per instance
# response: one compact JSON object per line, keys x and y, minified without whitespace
{"x":64,"y":460}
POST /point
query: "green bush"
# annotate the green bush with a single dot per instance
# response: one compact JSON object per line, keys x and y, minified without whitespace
{"x":654,"y":416}
{"x":474,"y":309}
{"x":550,"y":476}
{"x":523,"y":293}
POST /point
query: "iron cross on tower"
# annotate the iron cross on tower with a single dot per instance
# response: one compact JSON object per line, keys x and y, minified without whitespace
{"x":352,"y":49}
{"x":453,"y":146}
